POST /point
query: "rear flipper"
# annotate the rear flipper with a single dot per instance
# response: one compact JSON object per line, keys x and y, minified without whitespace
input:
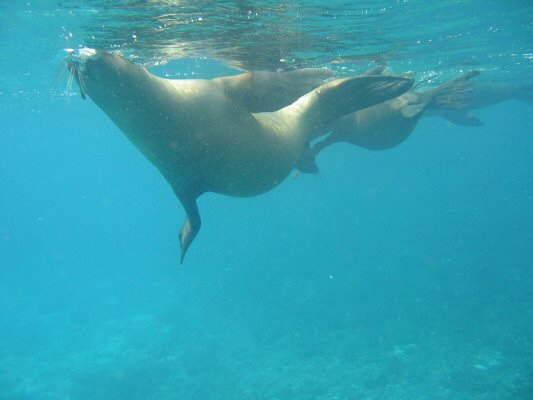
{"x":452,"y":95}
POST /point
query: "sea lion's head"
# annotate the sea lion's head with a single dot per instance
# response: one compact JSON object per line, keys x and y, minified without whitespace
{"x":100,"y":74}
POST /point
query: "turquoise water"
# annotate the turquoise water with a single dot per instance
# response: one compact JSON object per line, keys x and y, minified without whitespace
{"x":397,"y":274}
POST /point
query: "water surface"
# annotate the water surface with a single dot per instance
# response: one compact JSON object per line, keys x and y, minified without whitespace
{"x":400,"y":274}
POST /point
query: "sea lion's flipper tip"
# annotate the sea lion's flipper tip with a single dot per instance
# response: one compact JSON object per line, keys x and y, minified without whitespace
{"x":475,"y":121}
{"x":377,"y":70}
{"x":188,"y":232}
{"x":387,"y":87}
{"x":307,"y":162}
{"x":191,"y":227}
{"x":461,"y":118}
{"x":454,"y":94}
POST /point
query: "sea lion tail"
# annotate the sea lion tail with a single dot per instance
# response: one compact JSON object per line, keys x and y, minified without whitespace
{"x":452,"y":95}
{"x":318,"y":109}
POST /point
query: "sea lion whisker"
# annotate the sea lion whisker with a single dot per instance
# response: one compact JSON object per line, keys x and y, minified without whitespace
{"x":74,"y":66}
{"x":83,"y":86}
{"x":60,"y":76}
{"x":69,"y":81}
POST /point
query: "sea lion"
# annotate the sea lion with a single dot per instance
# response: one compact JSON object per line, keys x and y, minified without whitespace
{"x":203,"y":140}
{"x":261,"y":91}
{"x":388,"y":124}
{"x":484,"y":94}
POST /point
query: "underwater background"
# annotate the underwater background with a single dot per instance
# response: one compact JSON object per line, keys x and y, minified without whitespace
{"x":397,"y":274}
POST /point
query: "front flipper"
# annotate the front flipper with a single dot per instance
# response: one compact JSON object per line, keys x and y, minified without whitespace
{"x":317,"y":110}
{"x":192,"y":224}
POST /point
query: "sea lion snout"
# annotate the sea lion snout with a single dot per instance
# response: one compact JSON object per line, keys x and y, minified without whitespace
{"x":78,"y":58}
{"x":97,"y":71}
{"x":76,"y":64}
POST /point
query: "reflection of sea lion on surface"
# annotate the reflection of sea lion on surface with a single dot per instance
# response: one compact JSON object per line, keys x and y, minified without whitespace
{"x":201,"y":136}
{"x":388,"y":124}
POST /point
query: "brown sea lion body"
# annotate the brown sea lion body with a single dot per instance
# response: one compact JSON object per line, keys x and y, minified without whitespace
{"x":202,"y":138}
